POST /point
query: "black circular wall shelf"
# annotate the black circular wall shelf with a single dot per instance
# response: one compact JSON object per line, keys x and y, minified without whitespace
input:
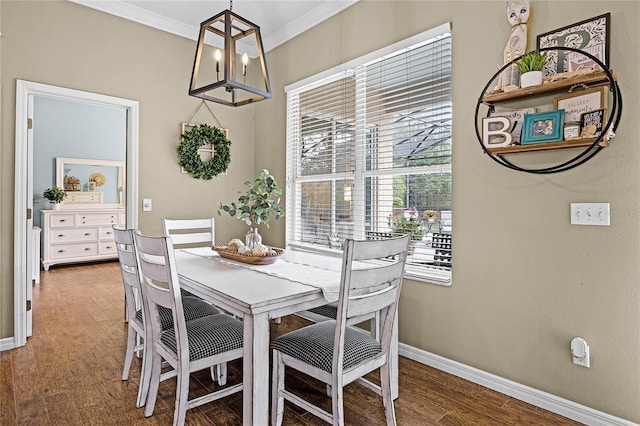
{"x":591,"y":146}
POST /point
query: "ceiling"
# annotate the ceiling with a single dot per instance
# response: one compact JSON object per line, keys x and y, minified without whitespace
{"x":279,"y":20}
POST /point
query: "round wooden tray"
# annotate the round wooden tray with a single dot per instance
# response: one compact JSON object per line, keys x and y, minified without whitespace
{"x":250,"y":259}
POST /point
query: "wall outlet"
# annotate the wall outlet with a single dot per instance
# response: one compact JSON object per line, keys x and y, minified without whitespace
{"x":590,"y":214}
{"x":580,"y":352}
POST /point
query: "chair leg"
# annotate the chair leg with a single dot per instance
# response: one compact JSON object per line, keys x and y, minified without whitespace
{"x":182,"y":396}
{"x":387,"y":400}
{"x":154,"y":383}
{"x":277,"y":401}
{"x":128,"y":356}
{"x":145,"y":374}
{"x":219,"y":374}
{"x":337,"y":405}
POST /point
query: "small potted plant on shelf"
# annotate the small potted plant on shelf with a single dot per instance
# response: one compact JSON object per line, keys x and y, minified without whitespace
{"x":530,"y":66}
{"x":55,"y":195}
{"x":431,"y":215}
{"x":256,"y":206}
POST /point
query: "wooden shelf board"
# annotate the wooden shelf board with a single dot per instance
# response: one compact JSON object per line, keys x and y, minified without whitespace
{"x":571,"y":143}
{"x":595,"y":79}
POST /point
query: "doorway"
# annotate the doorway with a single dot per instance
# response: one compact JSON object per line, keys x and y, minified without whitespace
{"x":26,"y":92}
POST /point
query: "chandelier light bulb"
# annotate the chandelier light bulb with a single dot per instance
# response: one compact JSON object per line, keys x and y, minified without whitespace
{"x":245,"y":61}
{"x":218,"y":56}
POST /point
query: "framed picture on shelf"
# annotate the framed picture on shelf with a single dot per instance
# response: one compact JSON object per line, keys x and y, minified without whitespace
{"x":543,"y":127}
{"x":590,"y":35}
{"x":571,"y":131}
{"x":516,"y":117}
{"x":575,"y":103}
{"x":592,"y":122}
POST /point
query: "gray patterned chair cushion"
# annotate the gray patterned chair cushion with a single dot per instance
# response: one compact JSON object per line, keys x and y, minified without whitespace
{"x":329,"y":311}
{"x":194,"y":308}
{"x":209,"y":336}
{"x":314,"y":345}
{"x":186,"y":293}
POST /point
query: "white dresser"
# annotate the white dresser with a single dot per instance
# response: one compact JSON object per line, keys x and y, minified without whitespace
{"x":71,"y":236}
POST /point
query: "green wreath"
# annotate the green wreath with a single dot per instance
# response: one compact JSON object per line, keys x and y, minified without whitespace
{"x":194,"y":139}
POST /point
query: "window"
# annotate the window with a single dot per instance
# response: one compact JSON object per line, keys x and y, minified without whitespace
{"x":369,"y":152}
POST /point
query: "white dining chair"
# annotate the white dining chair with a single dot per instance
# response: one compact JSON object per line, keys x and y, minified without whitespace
{"x":188,"y":346}
{"x":335,"y":352}
{"x":138,"y":328}
{"x":189,"y":233}
{"x":133,"y":303}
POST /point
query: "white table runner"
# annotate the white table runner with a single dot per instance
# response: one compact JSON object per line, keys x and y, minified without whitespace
{"x":296,"y":269}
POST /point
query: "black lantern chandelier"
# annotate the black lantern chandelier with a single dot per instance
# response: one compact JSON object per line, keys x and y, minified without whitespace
{"x":231,"y":31}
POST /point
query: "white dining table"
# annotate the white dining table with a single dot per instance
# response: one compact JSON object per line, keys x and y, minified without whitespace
{"x":296,"y":281}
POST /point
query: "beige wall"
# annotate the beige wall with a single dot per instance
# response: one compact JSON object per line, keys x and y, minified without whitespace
{"x":65,"y":44}
{"x":525,"y":281}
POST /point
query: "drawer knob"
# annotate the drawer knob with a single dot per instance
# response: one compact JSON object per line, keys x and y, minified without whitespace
{"x":86,"y":234}
{"x":60,"y":235}
{"x":108,"y":232}
{"x":109,"y":247}
{"x":60,"y":251}
{"x":63,"y":220}
{"x":87,"y":249}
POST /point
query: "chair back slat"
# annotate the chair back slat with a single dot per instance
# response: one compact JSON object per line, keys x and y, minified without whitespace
{"x":192,"y":232}
{"x":380,"y":274}
{"x":372,"y":302}
{"x":368,"y":249}
{"x":196,"y":238}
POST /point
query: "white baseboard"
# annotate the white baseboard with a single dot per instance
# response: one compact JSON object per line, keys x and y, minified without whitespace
{"x":7,"y":343}
{"x":536,"y":397}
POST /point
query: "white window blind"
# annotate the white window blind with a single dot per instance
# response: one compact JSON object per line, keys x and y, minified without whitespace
{"x":369,"y":153}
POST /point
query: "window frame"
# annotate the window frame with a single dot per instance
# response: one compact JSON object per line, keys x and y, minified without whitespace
{"x":294,"y":229}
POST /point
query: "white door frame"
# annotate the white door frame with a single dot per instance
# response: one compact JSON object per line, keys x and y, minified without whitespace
{"x":25,"y":90}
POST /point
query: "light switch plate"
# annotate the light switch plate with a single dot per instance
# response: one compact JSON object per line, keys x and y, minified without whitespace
{"x":590,"y":214}
{"x":147,"y":205}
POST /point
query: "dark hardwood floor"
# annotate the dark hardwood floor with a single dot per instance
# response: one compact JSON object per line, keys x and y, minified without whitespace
{"x":69,"y":373}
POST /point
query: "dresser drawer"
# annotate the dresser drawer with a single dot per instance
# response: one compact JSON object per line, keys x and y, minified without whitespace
{"x":62,"y":220}
{"x":84,"y":197}
{"x":74,"y":250}
{"x":107,"y":247}
{"x":73,"y":235}
{"x":99,"y":219}
{"x":105,"y":233}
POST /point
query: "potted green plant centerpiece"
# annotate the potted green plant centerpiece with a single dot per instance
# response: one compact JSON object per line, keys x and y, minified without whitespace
{"x":256,"y":206}
{"x":55,"y":195}
{"x":530,"y":66}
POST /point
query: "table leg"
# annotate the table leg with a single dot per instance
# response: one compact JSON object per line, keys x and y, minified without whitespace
{"x":255,"y":401}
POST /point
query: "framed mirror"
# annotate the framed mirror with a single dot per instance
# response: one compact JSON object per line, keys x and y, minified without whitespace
{"x":91,"y":183}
